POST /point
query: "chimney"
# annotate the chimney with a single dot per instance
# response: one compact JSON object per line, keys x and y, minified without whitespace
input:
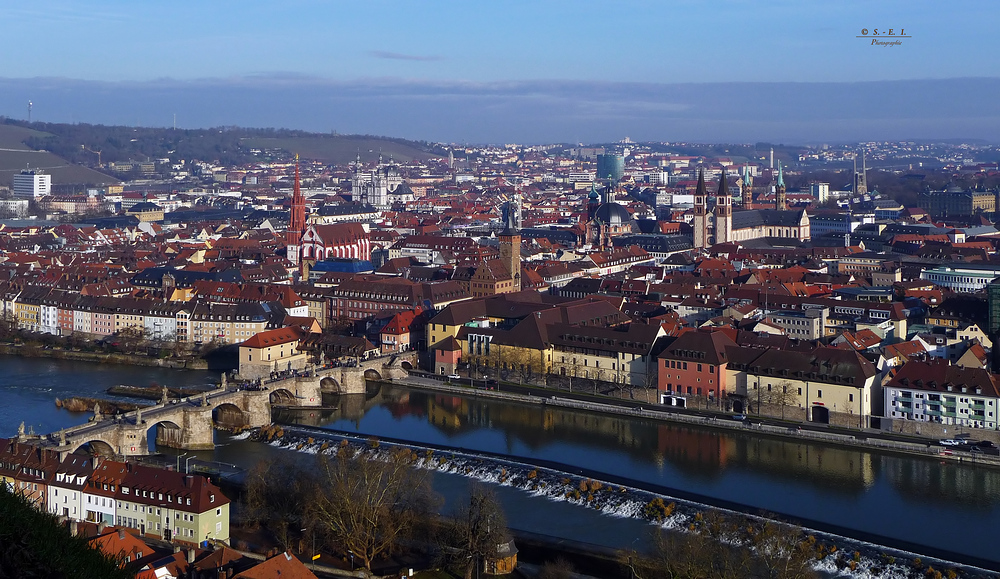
{"x":190,"y":554}
{"x":177,"y":549}
{"x":74,"y":528}
{"x":121,"y":534}
{"x":100,"y":527}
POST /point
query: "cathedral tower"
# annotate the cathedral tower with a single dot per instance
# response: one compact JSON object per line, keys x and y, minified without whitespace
{"x":723,"y":211}
{"x":701,"y":213}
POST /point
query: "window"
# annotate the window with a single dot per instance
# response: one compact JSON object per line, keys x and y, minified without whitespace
{"x":850,"y":397}
{"x":819,"y":394}
{"x":218,"y":512}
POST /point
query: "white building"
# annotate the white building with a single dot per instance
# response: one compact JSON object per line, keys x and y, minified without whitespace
{"x":820,"y":191}
{"x":32,"y":185}
{"x":966,"y":278}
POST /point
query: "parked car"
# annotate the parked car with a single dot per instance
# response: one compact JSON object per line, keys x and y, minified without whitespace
{"x":454,"y":377}
{"x":951,"y":442}
{"x":985,"y":444}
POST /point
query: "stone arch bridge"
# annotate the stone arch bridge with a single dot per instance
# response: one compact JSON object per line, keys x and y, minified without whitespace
{"x":189,"y":423}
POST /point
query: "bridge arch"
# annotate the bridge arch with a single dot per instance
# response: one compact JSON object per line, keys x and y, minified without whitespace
{"x":328,"y":384}
{"x":406,"y":365}
{"x":164,"y":433}
{"x":96,"y":447}
{"x":372,"y":374}
{"x":283,"y":396}
{"x":228,"y":416}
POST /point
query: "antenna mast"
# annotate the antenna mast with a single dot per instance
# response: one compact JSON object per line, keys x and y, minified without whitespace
{"x":29,"y":111}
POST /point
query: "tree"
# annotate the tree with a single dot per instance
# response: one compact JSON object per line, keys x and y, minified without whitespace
{"x":369,"y":501}
{"x":277,"y":495}
{"x":479,"y":528}
{"x":717,"y":546}
{"x":781,"y":394}
{"x":780,"y":550}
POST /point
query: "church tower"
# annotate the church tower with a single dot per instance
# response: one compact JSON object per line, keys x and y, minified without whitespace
{"x":297,"y":220}
{"x":723,"y":211}
{"x":700,"y":213}
{"x":593,"y":202}
{"x":860,"y":179}
{"x":510,"y":240}
{"x":746,"y":188}
{"x":779,"y":192}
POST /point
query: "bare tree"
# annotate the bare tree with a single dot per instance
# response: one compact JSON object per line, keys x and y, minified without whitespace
{"x":480,"y":528}
{"x":717,"y":546}
{"x":781,"y":394}
{"x":277,"y":495}
{"x":368,"y":501}
{"x":780,"y":550}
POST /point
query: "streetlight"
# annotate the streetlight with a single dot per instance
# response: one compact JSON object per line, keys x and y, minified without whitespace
{"x":186,"y":462}
{"x":352,"y":559}
{"x":179,"y":457}
{"x":314,"y":555}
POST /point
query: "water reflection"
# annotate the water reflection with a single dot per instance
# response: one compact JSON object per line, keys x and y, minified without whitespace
{"x":681,"y":456}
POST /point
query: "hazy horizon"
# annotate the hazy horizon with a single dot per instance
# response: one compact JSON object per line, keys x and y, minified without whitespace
{"x":531,"y":112}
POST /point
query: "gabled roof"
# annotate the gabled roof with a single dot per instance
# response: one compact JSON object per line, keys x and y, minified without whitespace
{"x":284,"y":565}
{"x":276,"y":337}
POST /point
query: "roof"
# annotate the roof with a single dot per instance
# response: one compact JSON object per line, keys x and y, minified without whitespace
{"x":276,"y":337}
{"x":284,"y":565}
{"x":938,"y":375}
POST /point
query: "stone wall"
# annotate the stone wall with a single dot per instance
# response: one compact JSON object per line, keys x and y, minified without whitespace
{"x":938,"y":431}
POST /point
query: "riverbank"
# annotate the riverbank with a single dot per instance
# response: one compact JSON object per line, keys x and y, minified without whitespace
{"x":190,"y":363}
{"x":619,"y":496}
{"x":758,"y":425}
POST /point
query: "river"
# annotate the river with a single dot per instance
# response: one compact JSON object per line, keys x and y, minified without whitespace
{"x":922,"y":501}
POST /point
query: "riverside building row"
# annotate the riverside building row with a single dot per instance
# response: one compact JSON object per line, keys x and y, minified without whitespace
{"x":158,"y":503}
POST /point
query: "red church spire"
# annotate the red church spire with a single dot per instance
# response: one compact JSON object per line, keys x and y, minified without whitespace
{"x":297,"y":226}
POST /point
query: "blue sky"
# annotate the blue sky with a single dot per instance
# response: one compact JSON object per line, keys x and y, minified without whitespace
{"x":405,"y":51}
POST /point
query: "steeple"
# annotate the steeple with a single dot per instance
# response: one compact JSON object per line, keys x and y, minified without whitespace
{"x":297,"y":218}
{"x":723,"y":211}
{"x":593,"y":202}
{"x":510,"y":239}
{"x":779,"y":192}
{"x":700,"y":223}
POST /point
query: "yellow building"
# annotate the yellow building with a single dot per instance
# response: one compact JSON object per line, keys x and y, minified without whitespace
{"x":271,"y":351}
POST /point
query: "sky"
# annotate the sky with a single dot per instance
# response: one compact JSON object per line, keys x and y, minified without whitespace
{"x":512,"y":71}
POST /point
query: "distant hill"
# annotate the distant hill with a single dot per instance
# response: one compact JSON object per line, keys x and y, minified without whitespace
{"x":61,"y":148}
{"x":342,"y":149}
{"x":15,"y":156}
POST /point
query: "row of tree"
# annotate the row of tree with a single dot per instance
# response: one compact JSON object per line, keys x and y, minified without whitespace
{"x":370,"y":503}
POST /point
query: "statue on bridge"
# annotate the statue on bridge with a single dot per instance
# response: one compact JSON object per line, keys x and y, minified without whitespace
{"x":97,"y":412}
{"x":163,"y":398}
{"x":20,"y":431}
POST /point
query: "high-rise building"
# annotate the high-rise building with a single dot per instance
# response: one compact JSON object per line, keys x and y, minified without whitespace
{"x":820,"y":191}
{"x":32,"y":185}
{"x":611,"y":166}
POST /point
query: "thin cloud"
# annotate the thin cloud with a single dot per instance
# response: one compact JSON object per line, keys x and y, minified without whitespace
{"x":400,"y":56}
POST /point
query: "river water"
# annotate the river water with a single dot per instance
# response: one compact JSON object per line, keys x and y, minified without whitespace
{"x":940,"y":506}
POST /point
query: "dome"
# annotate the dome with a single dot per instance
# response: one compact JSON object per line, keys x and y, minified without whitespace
{"x":612,"y":214}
